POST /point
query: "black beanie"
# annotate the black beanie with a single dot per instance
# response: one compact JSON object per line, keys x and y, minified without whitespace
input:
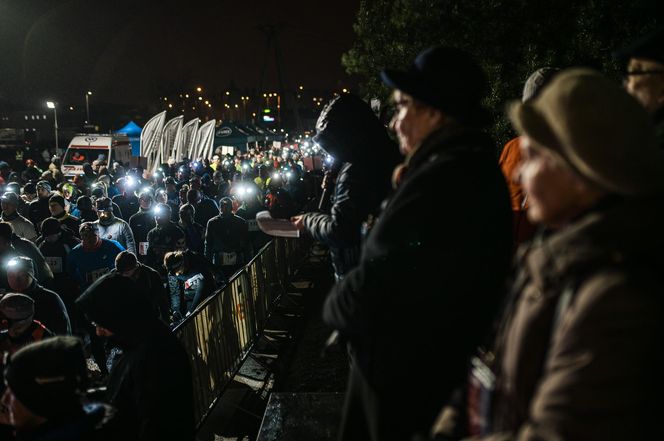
{"x":49,"y":377}
{"x":56,"y":198}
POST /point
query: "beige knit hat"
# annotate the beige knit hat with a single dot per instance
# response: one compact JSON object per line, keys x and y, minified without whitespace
{"x":598,"y":128}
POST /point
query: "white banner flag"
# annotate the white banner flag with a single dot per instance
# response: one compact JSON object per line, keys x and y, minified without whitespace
{"x":151,"y":136}
{"x":187,"y":138}
{"x":169,"y":136}
{"x":205,"y":140}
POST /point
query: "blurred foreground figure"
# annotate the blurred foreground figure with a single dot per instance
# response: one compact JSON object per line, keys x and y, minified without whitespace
{"x":44,"y":398}
{"x":150,"y":384}
{"x":573,"y":355}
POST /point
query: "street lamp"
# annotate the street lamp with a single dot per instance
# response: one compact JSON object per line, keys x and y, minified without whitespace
{"x":51,"y":105}
{"x":87,"y":107}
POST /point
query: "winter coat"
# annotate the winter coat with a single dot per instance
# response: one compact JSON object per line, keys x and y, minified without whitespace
{"x":35,"y":332}
{"x":119,"y":231}
{"x":427,"y":278}
{"x":150,"y":385}
{"x":50,"y":310}
{"x":90,"y":425}
{"x":38,"y":211}
{"x":659,"y":126}
{"x":194,"y":237}
{"x":128,"y":205}
{"x":227,"y":234}
{"x":188,"y":290}
{"x":150,"y":283}
{"x":141,"y":223}
{"x":26,"y":248}
{"x":22,"y":227}
{"x":358,"y":192}
{"x":72,"y":223}
{"x":55,"y":254}
{"x":581,"y":336}
{"x":206,"y":209}
{"x":161,"y":240}
{"x":88,"y":266}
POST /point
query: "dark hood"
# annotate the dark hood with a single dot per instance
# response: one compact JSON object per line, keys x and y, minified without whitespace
{"x":349,"y":131}
{"x":114,"y":303}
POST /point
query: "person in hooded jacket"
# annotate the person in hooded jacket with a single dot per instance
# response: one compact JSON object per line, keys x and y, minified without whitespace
{"x":348,"y":130}
{"x":45,"y":395}
{"x":150,"y":384}
{"x":142,"y":223}
{"x":112,"y":228}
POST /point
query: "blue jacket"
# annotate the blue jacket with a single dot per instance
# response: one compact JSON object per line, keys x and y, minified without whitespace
{"x":87,"y":266}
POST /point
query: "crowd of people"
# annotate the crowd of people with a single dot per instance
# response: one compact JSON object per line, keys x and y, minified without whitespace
{"x":118,"y":257}
{"x":554,"y":340}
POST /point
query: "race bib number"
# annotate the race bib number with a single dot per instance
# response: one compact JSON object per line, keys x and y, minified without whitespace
{"x":228,"y":258}
{"x":143,"y":248}
{"x":92,"y":276}
{"x":252,"y":225}
{"x":192,"y":282}
{"x":55,"y":263}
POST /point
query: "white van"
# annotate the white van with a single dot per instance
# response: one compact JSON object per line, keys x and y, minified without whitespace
{"x":87,"y":148}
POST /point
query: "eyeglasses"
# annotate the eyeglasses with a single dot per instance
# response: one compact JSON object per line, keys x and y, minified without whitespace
{"x":643,"y":72}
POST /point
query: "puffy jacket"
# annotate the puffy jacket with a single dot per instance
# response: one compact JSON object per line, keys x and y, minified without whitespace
{"x":22,"y":226}
{"x":119,"y":231}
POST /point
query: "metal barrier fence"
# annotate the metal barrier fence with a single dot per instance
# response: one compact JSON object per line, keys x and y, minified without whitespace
{"x":220,"y":333}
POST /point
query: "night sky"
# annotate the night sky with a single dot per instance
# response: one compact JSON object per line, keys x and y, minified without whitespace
{"x":129,"y":52}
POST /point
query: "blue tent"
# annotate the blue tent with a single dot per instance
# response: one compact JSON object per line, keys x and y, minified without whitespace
{"x":133,"y":131}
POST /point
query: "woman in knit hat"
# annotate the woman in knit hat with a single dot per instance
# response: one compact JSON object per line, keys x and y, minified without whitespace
{"x":573,"y":355}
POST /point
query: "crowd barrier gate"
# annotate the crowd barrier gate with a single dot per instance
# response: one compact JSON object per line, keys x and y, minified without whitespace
{"x":219,"y":334}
